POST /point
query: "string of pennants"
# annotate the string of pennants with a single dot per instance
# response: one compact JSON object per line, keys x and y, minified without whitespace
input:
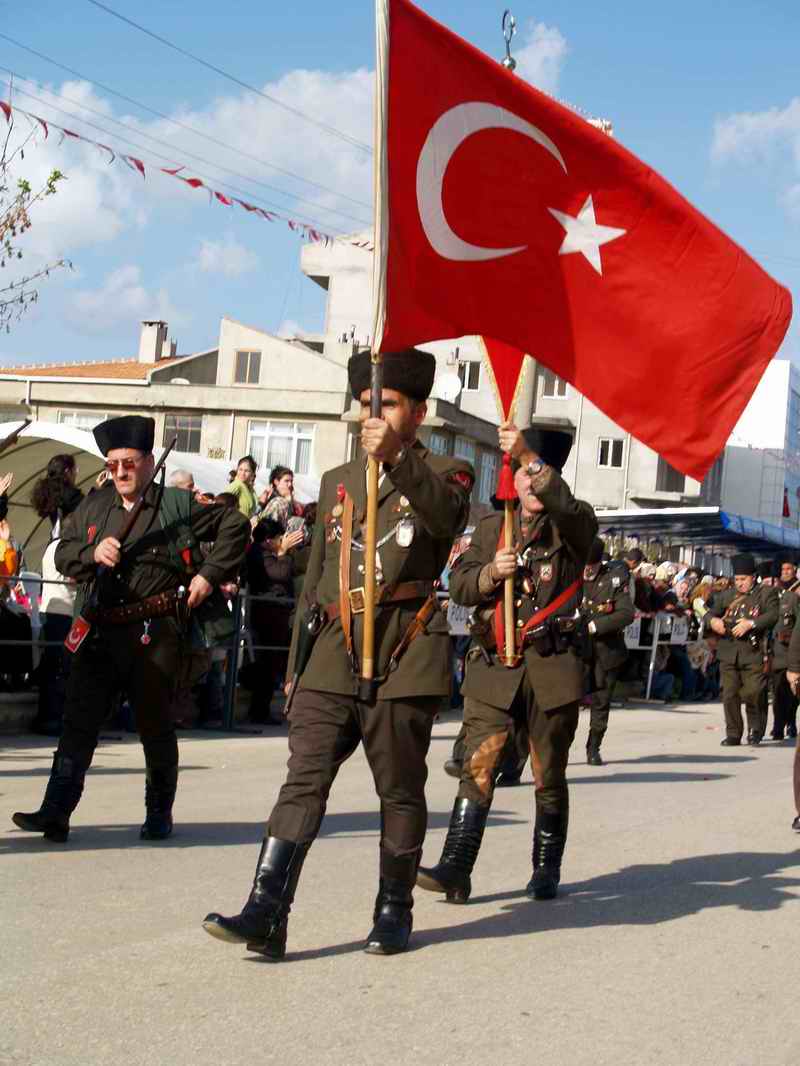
{"x":305,"y":230}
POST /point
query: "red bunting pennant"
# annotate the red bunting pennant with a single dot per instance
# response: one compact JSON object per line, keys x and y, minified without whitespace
{"x":223,"y":199}
{"x":42,"y":123}
{"x":134,"y":163}
{"x":6,"y":110}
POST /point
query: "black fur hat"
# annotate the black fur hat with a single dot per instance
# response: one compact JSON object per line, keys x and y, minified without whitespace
{"x":128,"y":431}
{"x":411,"y":372}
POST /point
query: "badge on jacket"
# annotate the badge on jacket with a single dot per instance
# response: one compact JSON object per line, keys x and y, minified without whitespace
{"x":404,"y":533}
{"x":546,"y":572}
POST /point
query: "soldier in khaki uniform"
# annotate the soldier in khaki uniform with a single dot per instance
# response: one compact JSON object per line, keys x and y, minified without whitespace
{"x":742,"y":617}
{"x":139,"y":637}
{"x":784,"y":701}
{"x":793,"y":678}
{"x":607,"y":609}
{"x":540,"y":693}
{"x":423,"y":506}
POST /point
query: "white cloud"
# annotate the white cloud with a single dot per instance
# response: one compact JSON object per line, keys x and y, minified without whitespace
{"x":289,"y":328}
{"x":227,"y":257}
{"x":769,"y":138}
{"x":542,"y":56}
{"x":121,"y":300}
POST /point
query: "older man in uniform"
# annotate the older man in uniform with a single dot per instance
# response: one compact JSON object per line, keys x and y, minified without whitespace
{"x":138,"y":639}
{"x":793,"y":678}
{"x":423,"y":506}
{"x":785,"y":701}
{"x":540,"y":691}
{"x":608,"y":609}
{"x":742,"y":617}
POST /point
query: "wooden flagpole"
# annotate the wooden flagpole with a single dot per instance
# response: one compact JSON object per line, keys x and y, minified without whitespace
{"x":367,"y":683}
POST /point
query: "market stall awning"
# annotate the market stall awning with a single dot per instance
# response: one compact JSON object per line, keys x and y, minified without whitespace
{"x":700,"y":527}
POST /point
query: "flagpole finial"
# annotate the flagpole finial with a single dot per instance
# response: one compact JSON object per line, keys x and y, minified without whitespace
{"x":509,"y":29}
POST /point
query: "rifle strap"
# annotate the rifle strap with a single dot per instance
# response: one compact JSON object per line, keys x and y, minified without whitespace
{"x":345,"y":612}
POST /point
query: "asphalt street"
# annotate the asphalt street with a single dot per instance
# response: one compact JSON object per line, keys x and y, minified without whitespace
{"x":676,"y":939}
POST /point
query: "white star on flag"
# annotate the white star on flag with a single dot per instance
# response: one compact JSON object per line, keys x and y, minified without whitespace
{"x":584,"y":235}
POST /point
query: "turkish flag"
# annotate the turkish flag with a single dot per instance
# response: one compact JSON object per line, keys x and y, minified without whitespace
{"x":502,"y":213}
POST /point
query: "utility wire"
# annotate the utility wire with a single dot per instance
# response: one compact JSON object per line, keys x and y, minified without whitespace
{"x":178,"y":123}
{"x":166,"y":144}
{"x":237,"y":81}
{"x":166,"y":159}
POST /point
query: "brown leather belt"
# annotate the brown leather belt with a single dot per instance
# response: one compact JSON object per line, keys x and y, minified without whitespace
{"x":158,"y":606}
{"x":386,"y":595}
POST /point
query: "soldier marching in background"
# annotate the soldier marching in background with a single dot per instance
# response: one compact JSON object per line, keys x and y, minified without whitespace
{"x":742,"y":618}
{"x":139,"y":639}
{"x":784,"y":700}
{"x":607,"y":610}
{"x":793,"y":678}
{"x":540,"y":692}
{"x":423,"y":506}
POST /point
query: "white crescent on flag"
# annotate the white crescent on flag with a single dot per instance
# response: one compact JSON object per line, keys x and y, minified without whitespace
{"x":445,"y":136}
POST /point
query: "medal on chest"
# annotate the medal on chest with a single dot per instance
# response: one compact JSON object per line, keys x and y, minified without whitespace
{"x":145,"y":638}
{"x":404,"y":533}
{"x":546,"y":572}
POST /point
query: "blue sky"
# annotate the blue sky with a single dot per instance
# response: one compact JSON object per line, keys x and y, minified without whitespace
{"x":707,"y":93}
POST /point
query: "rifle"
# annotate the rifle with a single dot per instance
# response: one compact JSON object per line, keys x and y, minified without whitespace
{"x":12,"y":437}
{"x":310,"y":627}
{"x":83,"y":623}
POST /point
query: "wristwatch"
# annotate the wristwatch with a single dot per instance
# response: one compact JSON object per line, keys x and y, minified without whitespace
{"x":536,"y":467}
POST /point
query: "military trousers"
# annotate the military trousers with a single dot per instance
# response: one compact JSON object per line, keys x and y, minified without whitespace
{"x":112,"y":660}
{"x":549,"y":736}
{"x":797,"y":776}
{"x":603,"y":681}
{"x":784,"y":702}
{"x":743,"y":682}
{"x":325,"y":728}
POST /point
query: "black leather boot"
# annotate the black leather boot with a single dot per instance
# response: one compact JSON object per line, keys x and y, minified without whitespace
{"x":593,"y":749}
{"x":392,"y":916}
{"x":451,"y":874}
{"x":263,"y":920}
{"x":549,"y":840}
{"x":159,"y":795}
{"x":64,"y":790}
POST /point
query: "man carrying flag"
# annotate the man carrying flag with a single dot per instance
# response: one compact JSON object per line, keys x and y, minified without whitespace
{"x":540,"y":690}
{"x":423,"y":504}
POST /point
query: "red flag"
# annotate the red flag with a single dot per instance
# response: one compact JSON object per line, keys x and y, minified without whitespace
{"x":506,"y":364}
{"x":502,"y":213}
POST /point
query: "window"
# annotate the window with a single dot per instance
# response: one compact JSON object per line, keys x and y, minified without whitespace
{"x":668,"y":479}
{"x":282,"y":444}
{"x":487,"y":481}
{"x":610,"y":451}
{"x":187,"y":428}
{"x":248,"y":368}
{"x":469,"y":373}
{"x":464,"y":449}
{"x":553,"y":387}
{"x":81,"y":419}
{"x":439,"y":443}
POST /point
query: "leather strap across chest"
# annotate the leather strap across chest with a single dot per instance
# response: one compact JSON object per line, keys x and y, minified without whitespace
{"x":537,"y":617}
{"x":345,"y":610}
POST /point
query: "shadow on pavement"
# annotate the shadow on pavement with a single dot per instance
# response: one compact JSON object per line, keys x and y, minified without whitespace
{"x":655,"y":777}
{"x":644,"y":894}
{"x":95,"y":771}
{"x":658,"y":759}
{"x":207,"y":834}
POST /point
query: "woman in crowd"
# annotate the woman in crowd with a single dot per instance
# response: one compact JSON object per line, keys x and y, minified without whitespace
{"x":278,"y":502}
{"x":270,"y":572}
{"x":54,"y":497}
{"x":243,"y":486}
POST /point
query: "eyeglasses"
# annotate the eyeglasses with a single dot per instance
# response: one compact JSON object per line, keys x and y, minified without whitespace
{"x":126,"y":464}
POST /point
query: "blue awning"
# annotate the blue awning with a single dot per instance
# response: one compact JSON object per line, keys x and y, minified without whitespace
{"x":700,"y":527}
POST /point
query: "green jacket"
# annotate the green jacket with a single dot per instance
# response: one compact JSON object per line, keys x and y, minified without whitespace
{"x":608,"y":606}
{"x":788,"y":610}
{"x":429,"y":495}
{"x":555,"y":551}
{"x":760,"y":605}
{"x":148,"y":564}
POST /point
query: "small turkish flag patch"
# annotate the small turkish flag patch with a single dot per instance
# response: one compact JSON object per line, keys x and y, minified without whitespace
{"x":462,"y":478}
{"x":91,"y":533}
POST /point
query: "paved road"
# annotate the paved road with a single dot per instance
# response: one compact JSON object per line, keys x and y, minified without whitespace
{"x":677,"y":939}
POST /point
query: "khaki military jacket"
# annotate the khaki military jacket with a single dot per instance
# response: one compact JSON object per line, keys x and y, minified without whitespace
{"x":148,"y":565}
{"x":423,"y":504}
{"x":607,"y":603}
{"x":555,"y":551}
{"x":761,"y":605}
{"x":788,"y":609}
